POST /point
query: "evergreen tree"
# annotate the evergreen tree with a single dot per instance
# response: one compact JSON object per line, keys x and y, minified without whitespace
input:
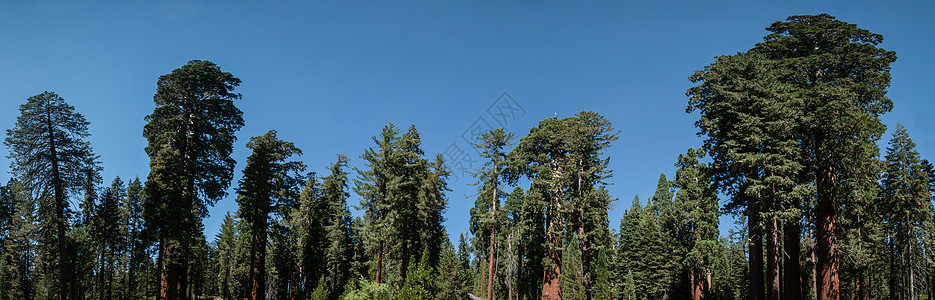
{"x":698,"y":204}
{"x":484,"y":216}
{"x":108,"y":236}
{"x":906,"y":196}
{"x":21,"y":246}
{"x":48,"y":150}
{"x":190,"y":135}
{"x":232,"y":259}
{"x":136,"y":243}
{"x":841,"y":76}
{"x":338,"y":250}
{"x":309,"y":235}
{"x":750,"y":117}
{"x":270,"y":181}
{"x":563,"y":159}
{"x":373,"y":187}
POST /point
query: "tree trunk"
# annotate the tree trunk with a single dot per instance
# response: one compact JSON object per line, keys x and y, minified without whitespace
{"x":552,"y":273}
{"x":59,"y":206}
{"x":379,"y":261}
{"x":550,"y":277}
{"x":792,"y":270}
{"x":756,"y":253}
{"x":695,"y":281}
{"x":493,"y":235}
{"x":773,"y":257}
{"x":258,"y":263}
{"x":829,"y":287}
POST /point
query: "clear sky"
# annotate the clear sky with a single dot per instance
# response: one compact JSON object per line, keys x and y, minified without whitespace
{"x":329,"y":75}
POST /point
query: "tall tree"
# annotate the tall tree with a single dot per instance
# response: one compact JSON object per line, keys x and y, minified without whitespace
{"x":906,"y":196}
{"x":136,"y":242}
{"x":841,"y":76}
{"x":750,"y":117}
{"x":563,"y":159}
{"x":373,"y":187}
{"x":48,"y":150}
{"x":108,"y":237}
{"x":493,"y":145}
{"x":190,"y":135}
{"x":270,"y":180}
{"x":338,"y":246}
{"x":698,"y":206}
{"x":21,"y":245}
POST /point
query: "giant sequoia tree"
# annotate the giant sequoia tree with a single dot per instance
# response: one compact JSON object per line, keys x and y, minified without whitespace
{"x":48,"y":152}
{"x":190,"y":135}
{"x":750,"y":118}
{"x":801,"y":106}
{"x":841,"y":76}
{"x":269,"y":181}
{"x":563,"y":158}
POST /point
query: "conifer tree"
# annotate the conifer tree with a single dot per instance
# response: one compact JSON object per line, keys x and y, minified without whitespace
{"x":750,"y":117}
{"x":338,"y":249}
{"x":190,"y":138}
{"x":906,"y":196}
{"x":698,"y":204}
{"x":373,"y":186}
{"x":484,"y":216}
{"x":48,"y":151}
{"x":841,"y":76}
{"x":270,"y":180}
{"x":21,"y":246}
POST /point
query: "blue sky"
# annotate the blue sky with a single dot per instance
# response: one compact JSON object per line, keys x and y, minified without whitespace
{"x":328,"y":75}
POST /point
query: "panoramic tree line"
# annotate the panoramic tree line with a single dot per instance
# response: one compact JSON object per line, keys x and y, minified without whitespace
{"x":791,"y":130}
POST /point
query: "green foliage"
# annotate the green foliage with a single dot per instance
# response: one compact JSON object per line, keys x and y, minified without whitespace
{"x":363,"y":289}
{"x":48,"y":155}
{"x":420,"y":281}
{"x":321,"y":290}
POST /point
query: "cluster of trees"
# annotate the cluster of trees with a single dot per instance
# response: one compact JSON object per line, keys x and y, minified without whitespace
{"x":792,"y":127}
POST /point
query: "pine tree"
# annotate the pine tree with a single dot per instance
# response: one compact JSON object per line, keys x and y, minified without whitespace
{"x":310,"y":235}
{"x":136,"y":243}
{"x":485,"y":218}
{"x":48,"y":150}
{"x":190,"y":138}
{"x":21,"y":246}
{"x":270,"y":180}
{"x":698,"y":204}
{"x":908,"y":212}
{"x":373,"y":186}
{"x":108,"y":236}
{"x":338,"y":249}
{"x":232,"y":259}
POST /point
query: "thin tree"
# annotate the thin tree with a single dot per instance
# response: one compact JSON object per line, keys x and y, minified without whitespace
{"x":493,"y":146}
{"x":48,"y":151}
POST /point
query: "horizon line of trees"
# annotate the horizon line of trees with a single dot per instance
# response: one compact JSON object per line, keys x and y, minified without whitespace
{"x":791,"y":129}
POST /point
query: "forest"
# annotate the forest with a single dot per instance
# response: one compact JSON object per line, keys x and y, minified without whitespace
{"x":791,"y":150}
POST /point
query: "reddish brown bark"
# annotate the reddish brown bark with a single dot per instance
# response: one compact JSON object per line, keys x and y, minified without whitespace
{"x":258,"y":261}
{"x":826,"y":222}
{"x":696,"y":282}
{"x":551,"y":273}
{"x":773,"y":258}
{"x":379,"y":261}
{"x":756,"y":254}
{"x":792,"y":269}
{"x":491,"y":256}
